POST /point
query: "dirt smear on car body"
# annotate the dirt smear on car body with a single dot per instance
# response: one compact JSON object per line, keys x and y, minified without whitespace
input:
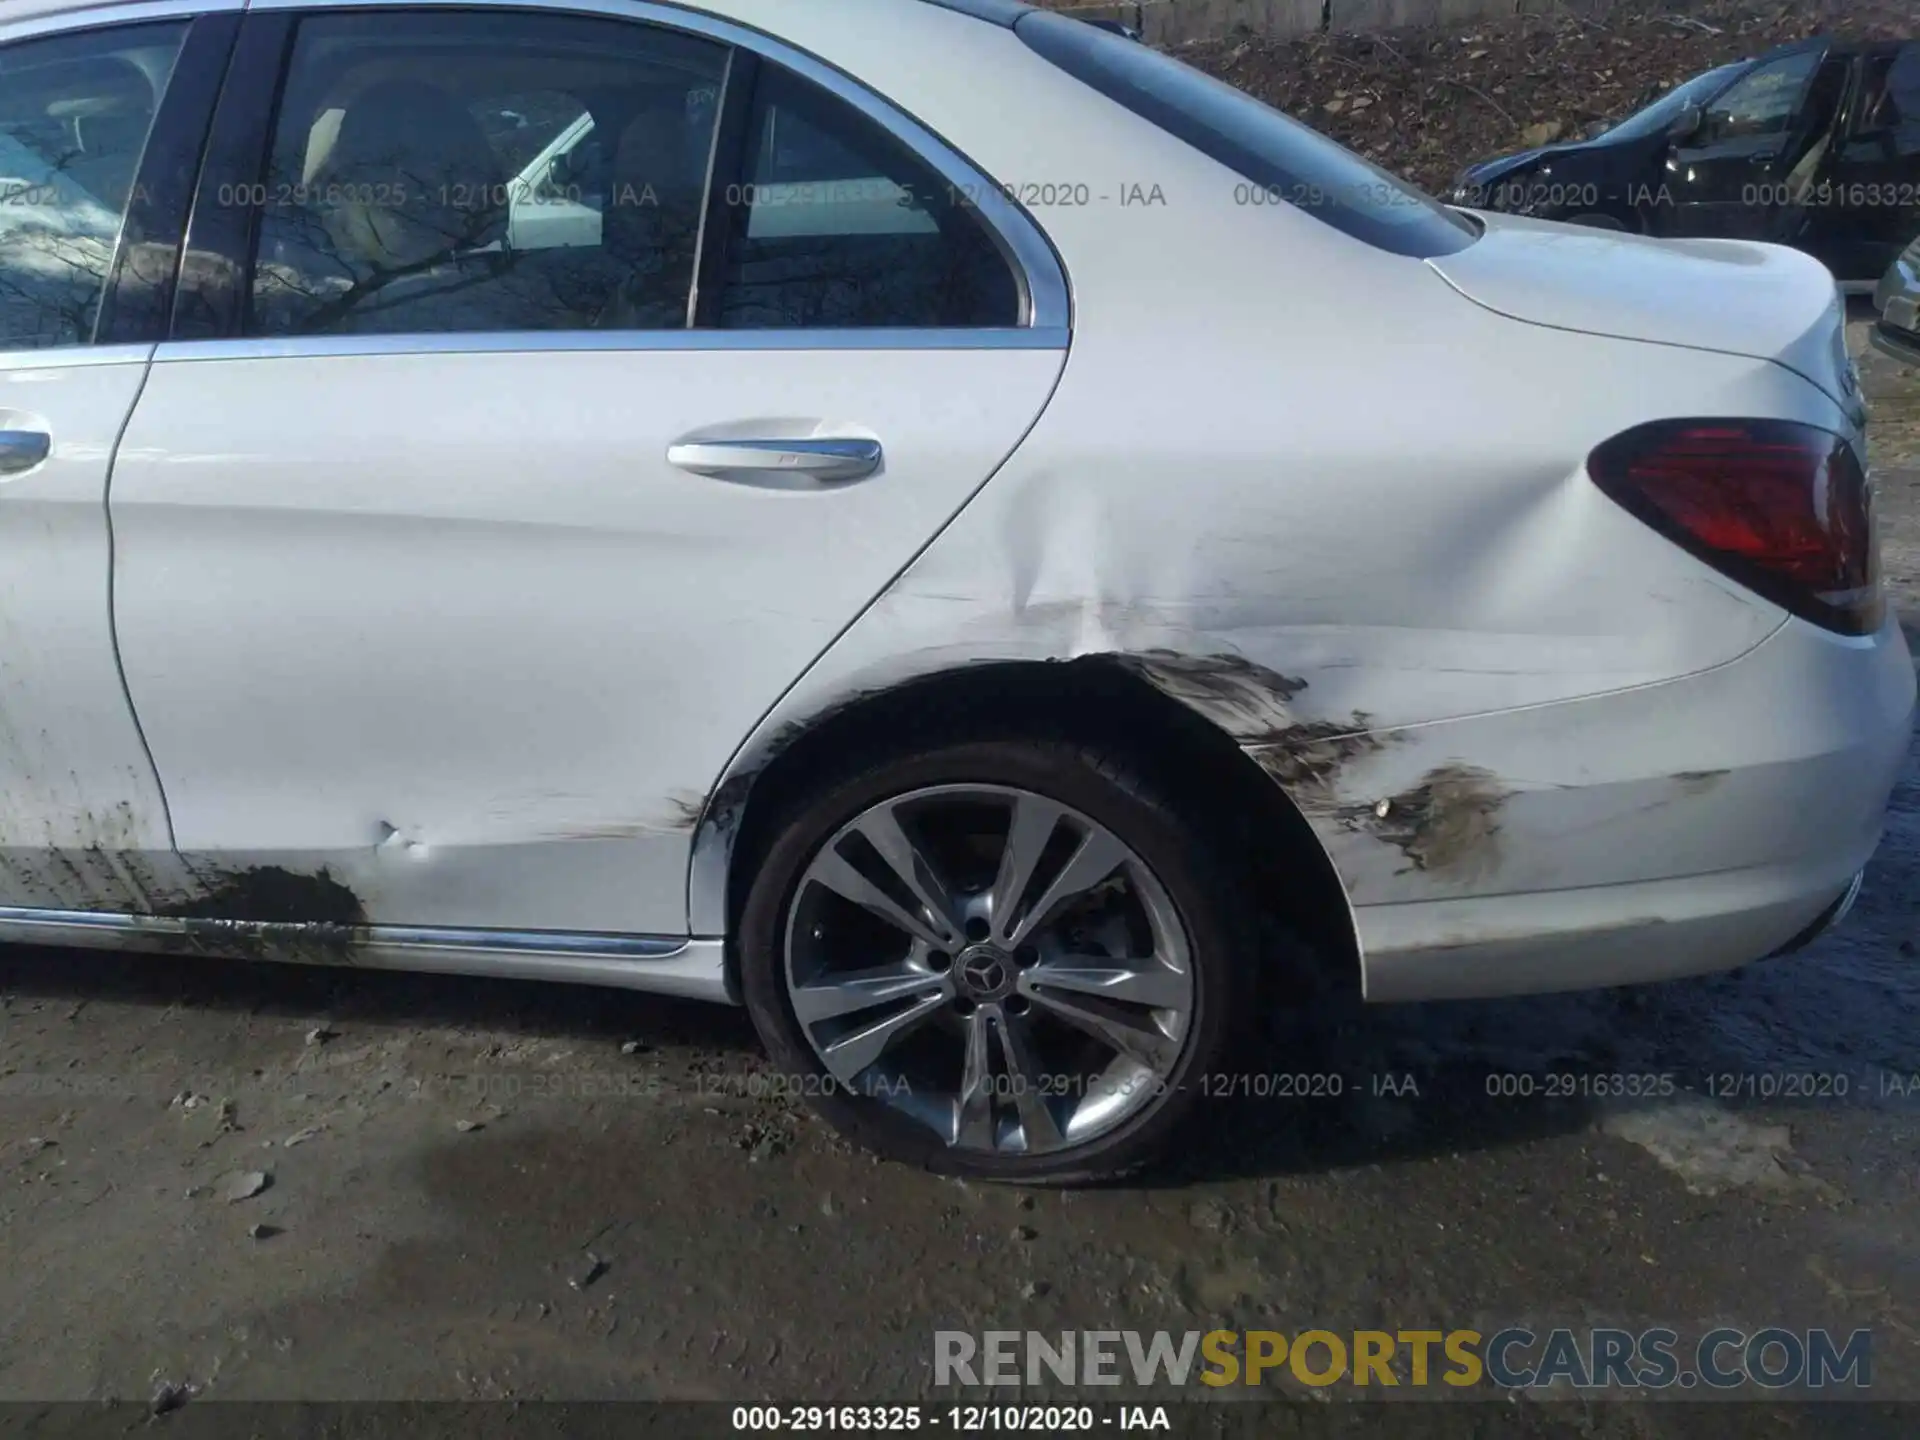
{"x":1254,"y":705}
{"x":1450,"y":821}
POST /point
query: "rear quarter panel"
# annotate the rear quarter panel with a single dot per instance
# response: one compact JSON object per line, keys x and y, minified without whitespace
{"x":1333,"y":506}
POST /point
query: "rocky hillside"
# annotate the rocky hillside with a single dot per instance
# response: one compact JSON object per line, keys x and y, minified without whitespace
{"x":1425,"y":102}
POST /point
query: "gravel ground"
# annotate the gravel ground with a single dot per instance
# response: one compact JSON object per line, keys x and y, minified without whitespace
{"x":264,"y":1182}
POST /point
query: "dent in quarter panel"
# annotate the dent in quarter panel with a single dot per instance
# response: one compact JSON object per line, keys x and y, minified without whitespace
{"x":1338,"y":595}
{"x":1354,"y":496}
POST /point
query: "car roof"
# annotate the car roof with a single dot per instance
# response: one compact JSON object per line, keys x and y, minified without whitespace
{"x":27,"y":9}
{"x":997,"y":12}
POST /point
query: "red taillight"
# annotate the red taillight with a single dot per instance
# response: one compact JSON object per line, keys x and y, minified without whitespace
{"x":1785,"y":509}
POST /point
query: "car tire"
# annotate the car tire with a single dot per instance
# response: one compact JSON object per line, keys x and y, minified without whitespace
{"x":1111,"y":794}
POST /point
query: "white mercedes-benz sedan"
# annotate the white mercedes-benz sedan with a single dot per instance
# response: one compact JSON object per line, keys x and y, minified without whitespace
{"x":926,"y":518}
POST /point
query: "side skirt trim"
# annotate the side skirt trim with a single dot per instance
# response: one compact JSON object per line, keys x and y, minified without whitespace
{"x":661,"y":964}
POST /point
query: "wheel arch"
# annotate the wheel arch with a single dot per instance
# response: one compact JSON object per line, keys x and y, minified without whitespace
{"x":1103,"y":698}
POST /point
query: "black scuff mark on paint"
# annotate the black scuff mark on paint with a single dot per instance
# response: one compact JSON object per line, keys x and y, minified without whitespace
{"x":1699,"y":782}
{"x":1254,"y":705}
{"x":1307,"y":759}
{"x":729,"y":801}
{"x":1246,"y":700}
{"x":683,"y":812}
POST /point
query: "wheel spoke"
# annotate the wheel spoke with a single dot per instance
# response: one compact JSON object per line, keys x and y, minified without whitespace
{"x":855,"y":990}
{"x":974,"y":1106}
{"x":1139,"y":982}
{"x":850,"y":1054}
{"x":1026,"y":1079}
{"x":1096,"y":857}
{"x":1130,"y":1035}
{"x":1071,"y":965}
{"x":913,"y":869}
{"x":1029,"y":829}
{"x":831,"y":869}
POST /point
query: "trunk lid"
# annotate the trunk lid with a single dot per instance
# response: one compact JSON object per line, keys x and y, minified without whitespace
{"x":1737,"y":297}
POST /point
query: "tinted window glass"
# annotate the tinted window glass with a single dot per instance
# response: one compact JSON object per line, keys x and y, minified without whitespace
{"x":1663,"y":112}
{"x":74,"y":116}
{"x":1765,"y":102}
{"x":1281,"y":157}
{"x":459,"y":171}
{"x":1896,"y":101}
{"x":839,"y":224}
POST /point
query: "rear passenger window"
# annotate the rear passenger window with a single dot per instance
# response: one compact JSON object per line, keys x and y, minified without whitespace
{"x":74,"y":115}
{"x":456,"y":171}
{"x":840,"y":224}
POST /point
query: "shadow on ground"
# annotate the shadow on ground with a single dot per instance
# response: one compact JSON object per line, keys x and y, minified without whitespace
{"x":1332,"y":1086}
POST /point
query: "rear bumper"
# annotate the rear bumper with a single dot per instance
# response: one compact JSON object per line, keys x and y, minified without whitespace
{"x":1703,"y":823}
{"x":1594,"y":938}
{"x":1826,"y":919}
{"x":1902,"y":345}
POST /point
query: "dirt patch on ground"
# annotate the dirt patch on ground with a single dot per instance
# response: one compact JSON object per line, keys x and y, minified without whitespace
{"x":1423,"y":103}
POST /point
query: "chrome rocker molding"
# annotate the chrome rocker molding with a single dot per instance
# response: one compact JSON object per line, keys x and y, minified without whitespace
{"x":659,"y":964}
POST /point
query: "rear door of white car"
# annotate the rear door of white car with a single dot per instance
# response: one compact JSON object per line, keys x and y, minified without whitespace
{"x":458,"y":570}
{"x":88,"y":239}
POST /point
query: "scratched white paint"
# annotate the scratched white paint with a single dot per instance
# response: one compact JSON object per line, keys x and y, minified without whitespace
{"x":1366,"y":473}
{"x":451,"y":627}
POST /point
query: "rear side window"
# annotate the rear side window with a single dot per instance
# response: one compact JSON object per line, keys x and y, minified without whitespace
{"x":839,"y":224}
{"x":1281,"y":159}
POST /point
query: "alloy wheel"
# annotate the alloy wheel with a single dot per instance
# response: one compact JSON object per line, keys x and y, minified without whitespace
{"x":993,"y":963}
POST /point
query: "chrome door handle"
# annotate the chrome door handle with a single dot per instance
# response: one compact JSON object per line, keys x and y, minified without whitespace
{"x":22,"y":450}
{"x":764,"y":461}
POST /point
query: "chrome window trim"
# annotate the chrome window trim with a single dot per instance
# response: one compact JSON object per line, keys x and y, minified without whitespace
{"x":586,"y":342}
{"x":72,"y":357}
{"x":728,"y":79}
{"x":95,"y":17}
{"x":1045,"y":300}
